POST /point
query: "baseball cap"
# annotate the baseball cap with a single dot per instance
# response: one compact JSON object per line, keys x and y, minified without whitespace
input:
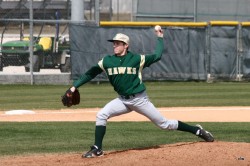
{"x":120,"y":37}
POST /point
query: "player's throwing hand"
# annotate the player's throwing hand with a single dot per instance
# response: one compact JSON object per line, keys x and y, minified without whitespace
{"x":158,"y":31}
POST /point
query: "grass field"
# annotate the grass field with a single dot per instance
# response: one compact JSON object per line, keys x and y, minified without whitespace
{"x":162,"y":94}
{"x":50,"y":137}
{"x":62,"y":137}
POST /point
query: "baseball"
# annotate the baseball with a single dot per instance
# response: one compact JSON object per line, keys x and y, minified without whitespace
{"x":157,"y":28}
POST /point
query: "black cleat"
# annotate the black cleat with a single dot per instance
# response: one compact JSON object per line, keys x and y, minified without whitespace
{"x":94,"y":152}
{"x":207,"y":136}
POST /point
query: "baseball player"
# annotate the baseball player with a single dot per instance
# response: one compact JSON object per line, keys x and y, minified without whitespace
{"x":124,"y":71}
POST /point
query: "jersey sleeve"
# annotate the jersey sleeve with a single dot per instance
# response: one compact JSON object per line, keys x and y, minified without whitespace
{"x":89,"y":75}
{"x":156,"y":56}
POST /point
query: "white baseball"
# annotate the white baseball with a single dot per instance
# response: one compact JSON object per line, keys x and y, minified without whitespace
{"x":157,"y":28}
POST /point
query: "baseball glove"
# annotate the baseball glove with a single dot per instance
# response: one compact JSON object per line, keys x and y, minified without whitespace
{"x":71,"y":98}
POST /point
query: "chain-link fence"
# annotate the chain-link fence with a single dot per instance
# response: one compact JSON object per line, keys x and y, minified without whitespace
{"x":212,"y":46}
{"x":50,"y":21}
{"x":50,"y":46}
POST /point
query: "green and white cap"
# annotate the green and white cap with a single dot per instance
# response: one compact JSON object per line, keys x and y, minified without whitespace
{"x":120,"y":37}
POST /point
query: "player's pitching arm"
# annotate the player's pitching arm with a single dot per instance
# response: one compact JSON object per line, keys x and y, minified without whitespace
{"x":156,"y":56}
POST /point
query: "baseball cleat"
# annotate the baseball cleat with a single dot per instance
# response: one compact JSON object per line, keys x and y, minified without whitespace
{"x":207,"y":136}
{"x":94,"y":152}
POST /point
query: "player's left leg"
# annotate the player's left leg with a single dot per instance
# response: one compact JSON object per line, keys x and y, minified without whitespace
{"x":142,"y":105}
{"x":197,"y":130}
{"x":147,"y":109}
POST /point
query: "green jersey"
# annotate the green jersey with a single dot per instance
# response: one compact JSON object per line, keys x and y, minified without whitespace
{"x":124,"y":72}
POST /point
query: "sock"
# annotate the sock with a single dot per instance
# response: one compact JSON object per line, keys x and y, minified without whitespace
{"x":188,"y":128}
{"x":99,"y":134}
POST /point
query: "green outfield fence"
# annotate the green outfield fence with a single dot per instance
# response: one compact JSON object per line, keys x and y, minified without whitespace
{"x":207,"y":51}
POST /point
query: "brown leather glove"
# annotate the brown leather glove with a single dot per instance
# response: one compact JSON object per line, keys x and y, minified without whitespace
{"x":71,"y":98}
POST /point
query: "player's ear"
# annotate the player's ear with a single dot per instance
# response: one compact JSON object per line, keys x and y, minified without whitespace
{"x":126,"y":45}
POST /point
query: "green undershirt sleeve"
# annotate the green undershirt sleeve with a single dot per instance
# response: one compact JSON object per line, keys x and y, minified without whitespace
{"x":89,"y":75}
{"x":152,"y":58}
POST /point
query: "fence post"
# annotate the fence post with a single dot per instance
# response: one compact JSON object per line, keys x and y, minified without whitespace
{"x":239,"y":52}
{"x":208,"y":52}
{"x":195,"y":10}
{"x":31,"y":42}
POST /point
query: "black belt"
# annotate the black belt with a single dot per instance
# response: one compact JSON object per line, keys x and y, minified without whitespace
{"x":128,"y":96}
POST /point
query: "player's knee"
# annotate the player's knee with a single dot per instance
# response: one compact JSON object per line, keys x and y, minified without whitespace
{"x":169,"y":125}
{"x":101,"y":119}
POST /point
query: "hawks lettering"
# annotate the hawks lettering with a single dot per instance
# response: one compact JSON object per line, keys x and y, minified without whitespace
{"x":121,"y":70}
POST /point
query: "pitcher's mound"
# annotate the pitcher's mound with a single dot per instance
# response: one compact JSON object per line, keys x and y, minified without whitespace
{"x":197,"y":153}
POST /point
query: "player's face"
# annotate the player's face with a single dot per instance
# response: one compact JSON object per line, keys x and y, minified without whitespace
{"x":120,"y":48}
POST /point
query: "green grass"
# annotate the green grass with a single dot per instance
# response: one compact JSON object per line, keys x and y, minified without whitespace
{"x":62,"y":137}
{"x":162,"y":94}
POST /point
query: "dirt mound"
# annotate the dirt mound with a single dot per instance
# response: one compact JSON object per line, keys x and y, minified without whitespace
{"x":192,"y":153}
